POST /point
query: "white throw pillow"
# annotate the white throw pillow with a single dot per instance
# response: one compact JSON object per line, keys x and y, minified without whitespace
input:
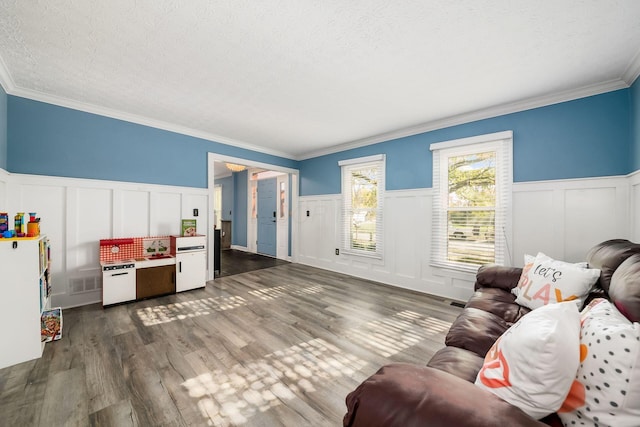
{"x":545,"y":280}
{"x":533,"y":364}
{"x":606,"y":390}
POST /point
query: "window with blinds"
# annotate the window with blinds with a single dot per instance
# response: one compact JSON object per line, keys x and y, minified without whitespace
{"x":472,"y":180}
{"x":362,"y":205}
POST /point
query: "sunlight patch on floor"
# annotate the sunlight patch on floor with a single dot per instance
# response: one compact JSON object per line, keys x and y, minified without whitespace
{"x":267,"y":294}
{"x":394,"y":334}
{"x":232,"y":396}
{"x":183,"y":310}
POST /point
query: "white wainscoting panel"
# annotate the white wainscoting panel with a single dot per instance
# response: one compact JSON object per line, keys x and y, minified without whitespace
{"x":535,"y":223}
{"x":318,"y":230}
{"x":4,"y":197}
{"x":562,"y":218}
{"x":191,"y":201}
{"x":131,"y":209}
{"x":591,"y":217}
{"x":165,"y":213}
{"x":77,"y":213}
{"x":634,"y":182}
{"x":565,"y":218}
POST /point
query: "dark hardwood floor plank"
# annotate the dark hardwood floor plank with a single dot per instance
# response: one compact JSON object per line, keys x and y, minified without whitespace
{"x":65,"y":402}
{"x":105,"y":385}
{"x":67,"y":353}
{"x":119,"y":414}
{"x":149,"y":398}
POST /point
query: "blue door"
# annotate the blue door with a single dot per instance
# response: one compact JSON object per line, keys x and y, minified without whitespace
{"x":267,"y":202}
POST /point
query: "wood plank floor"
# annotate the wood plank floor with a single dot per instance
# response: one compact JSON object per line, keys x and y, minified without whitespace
{"x":233,"y":261}
{"x":280,"y":346}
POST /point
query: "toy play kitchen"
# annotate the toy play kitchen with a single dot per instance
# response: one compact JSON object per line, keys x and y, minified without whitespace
{"x":142,"y":267}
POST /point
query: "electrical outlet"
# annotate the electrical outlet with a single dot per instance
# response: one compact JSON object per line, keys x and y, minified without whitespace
{"x":337,"y":251}
{"x":308,"y":213}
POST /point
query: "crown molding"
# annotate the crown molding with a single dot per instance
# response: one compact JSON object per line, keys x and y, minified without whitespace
{"x":5,"y":78}
{"x":133,"y":118}
{"x":630,"y":75}
{"x":487,"y":113}
{"x":633,"y":70}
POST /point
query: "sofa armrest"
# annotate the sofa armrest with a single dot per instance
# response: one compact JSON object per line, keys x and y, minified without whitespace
{"x":497,"y":276}
{"x":410,"y":395}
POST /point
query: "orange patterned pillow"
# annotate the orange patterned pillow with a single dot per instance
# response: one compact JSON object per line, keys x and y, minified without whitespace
{"x":533,"y":364}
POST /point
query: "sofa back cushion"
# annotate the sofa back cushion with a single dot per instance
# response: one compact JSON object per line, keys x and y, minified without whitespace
{"x":624,"y":290}
{"x":497,"y":276}
{"x":488,"y":313}
{"x":607,"y":256}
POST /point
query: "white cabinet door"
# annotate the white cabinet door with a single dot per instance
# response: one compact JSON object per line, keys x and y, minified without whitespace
{"x":191,"y":271}
{"x":118,"y":286}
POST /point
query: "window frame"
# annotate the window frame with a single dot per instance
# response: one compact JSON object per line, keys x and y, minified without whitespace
{"x":346,"y":166}
{"x":502,"y":144}
{"x":217,"y":197}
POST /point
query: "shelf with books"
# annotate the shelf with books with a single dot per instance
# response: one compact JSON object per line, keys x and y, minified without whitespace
{"x":25,"y":291}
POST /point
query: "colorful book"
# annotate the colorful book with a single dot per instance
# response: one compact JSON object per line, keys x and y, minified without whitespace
{"x":51,"y":324}
{"x":189,"y":227}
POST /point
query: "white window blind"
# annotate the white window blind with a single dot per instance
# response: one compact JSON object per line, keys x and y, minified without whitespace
{"x":472,"y":180}
{"x":362,"y":205}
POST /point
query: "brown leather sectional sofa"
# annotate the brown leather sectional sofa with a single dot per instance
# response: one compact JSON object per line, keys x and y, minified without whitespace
{"x":443,"y":393}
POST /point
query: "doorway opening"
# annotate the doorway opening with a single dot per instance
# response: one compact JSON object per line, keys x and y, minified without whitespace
{"x":250,"y":228}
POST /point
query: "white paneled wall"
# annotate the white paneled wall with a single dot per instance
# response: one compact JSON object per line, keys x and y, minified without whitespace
{"x":77,"y":213}
{"x":562,"y":218}
{"x":4,"y":178}
{"x":635,"y":205}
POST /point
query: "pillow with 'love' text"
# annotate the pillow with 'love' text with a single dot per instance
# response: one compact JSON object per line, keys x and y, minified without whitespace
{"x":545,"y":280}
{"x":533,"y":364}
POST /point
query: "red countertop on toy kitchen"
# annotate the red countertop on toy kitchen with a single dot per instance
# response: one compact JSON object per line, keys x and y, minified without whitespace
{"x":134,"y":249}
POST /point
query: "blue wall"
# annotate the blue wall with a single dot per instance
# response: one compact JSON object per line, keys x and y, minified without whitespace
{"x":635,"y":123}
{"x":227,"y":197}
{"x":239,"y":225}
{"x":3,"y":129}
{"x":45,"y":139}
{"x":588,"y":137}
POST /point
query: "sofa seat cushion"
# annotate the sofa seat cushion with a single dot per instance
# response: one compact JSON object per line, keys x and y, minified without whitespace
{"x":409,"y":395}
{"x":457,"y":361}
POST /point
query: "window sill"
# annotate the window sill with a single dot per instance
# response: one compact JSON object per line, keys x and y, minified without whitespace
{"x":462,"y":273}
{"x":361,"y":254}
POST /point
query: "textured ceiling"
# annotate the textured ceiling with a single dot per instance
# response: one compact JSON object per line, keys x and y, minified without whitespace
{"x":298,"y":78}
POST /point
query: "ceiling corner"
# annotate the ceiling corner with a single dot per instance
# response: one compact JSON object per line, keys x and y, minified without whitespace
{"x":5,"y":78}
{"x":633,"y":70}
